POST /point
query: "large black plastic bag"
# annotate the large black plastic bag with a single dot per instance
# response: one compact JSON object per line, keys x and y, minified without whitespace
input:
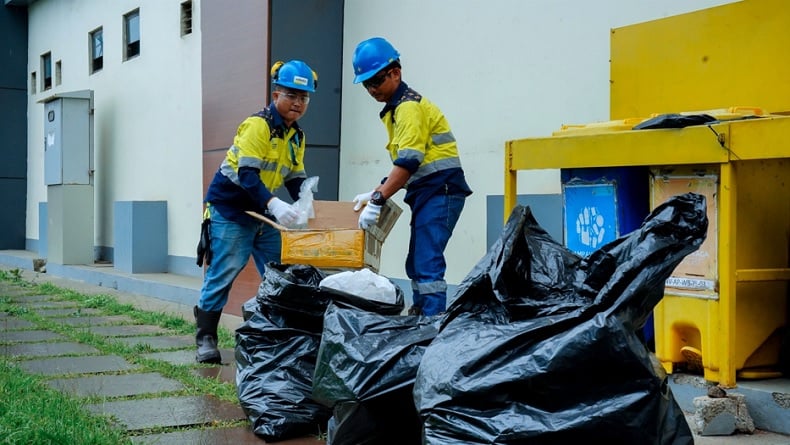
{"x":539,"y":345}
{"x":293,"y":292}
{"x":365,"y":371}
{"x":276,"y":350}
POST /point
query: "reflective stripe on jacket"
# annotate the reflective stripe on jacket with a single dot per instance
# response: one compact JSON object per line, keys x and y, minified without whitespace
{"x":420,"y":139}
{"x":276,"y":151}
{"x":268,"y":154}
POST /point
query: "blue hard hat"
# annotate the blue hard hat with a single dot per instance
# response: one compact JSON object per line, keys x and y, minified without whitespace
{"x":371,"y":56}
{"x":294,"y":74}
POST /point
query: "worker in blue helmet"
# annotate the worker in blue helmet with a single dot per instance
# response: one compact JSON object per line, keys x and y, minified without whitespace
{"x":267,"y":153}
{"x":425,"y":162}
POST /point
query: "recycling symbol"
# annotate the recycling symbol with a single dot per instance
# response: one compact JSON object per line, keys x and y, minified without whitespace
{"x":590,"y":227}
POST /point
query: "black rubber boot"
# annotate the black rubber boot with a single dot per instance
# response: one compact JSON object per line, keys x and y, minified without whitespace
{"x":206,"y":337}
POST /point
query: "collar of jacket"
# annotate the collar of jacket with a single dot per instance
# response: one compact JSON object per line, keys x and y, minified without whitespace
{"x":394,"y":100}
{"x":278,"y":122}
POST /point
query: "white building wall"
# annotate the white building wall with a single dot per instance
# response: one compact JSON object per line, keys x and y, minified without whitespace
{"x":500,"y":70}
{"x":147,"y":120}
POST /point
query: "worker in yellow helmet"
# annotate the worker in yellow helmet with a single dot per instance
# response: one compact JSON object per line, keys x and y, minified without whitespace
{"x":267,"y":152}
{"x":425,"y":162}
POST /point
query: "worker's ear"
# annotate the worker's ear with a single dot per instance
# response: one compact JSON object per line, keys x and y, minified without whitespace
{"x":395,"y":73}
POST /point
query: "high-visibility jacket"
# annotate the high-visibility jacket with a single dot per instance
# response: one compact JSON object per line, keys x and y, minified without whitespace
{"x":265,"y":155}
{"x":421,"y":141}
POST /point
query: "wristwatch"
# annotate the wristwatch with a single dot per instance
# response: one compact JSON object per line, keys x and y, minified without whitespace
{"x":377,"y":198}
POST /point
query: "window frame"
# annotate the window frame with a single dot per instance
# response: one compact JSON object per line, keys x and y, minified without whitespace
{"x":58,"y":72}
{"x":131,"y":49}
{"x":46,"y":71}
{"x":95,"y":63}
{"x":187,"y":17}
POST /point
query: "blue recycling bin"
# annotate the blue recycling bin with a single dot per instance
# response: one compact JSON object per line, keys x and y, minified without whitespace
{"x":602,"y":204}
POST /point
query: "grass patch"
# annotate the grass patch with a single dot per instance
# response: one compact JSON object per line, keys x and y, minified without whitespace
{"x":33,"y":413}
{"x":110,"y":306}
{"x":39,"y":414}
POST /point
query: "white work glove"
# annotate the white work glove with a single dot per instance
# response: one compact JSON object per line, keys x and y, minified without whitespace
{"x":369,"y":216}
{"x":285,"y":214}
{"x":362,"y":199}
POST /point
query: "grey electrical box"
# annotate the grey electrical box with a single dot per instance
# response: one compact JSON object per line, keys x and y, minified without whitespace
{"x":68,"y":138}
{"x":68,"y":173}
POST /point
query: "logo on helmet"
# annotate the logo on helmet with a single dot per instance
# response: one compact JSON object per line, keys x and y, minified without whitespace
{"x":299,"y":80}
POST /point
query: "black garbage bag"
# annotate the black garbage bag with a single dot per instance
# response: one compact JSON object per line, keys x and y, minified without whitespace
{"x":276,"y":351}
{"x":250,"y":308}
{"x":539,"y":344}
{"x":675,"y":120}
{"x":293,"y":291}
{"x":365,"y":372}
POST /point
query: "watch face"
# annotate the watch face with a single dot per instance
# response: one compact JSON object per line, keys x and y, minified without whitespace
{"x":377,"y":198}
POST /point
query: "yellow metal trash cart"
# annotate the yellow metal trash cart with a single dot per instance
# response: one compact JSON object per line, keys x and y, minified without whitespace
{"x":732,"y":308}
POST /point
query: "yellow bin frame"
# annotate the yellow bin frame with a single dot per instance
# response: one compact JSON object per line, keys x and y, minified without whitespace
{"x":729,"y":147}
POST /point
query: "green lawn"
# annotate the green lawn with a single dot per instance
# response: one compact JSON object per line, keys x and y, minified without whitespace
{"x":33,"y":413}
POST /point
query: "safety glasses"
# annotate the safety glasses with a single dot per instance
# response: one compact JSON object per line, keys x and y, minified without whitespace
{"x":377,"y":80}
{"x":296,"y":97}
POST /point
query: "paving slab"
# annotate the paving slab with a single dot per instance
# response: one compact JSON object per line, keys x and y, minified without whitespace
{"x":159,"y":342}
{"x":29,"y":336}
{"x":116,"y":385}
{"x":127,"y":330}
{"x":46,"y":349}
{"x":187,"y":357}
{"x":69,"y":312}
{"x":228,"y":357}
{"x":21,"y":298}
{"x":77,"y":365}
{"x":14,"y":292}
{"x":11,"y":323}
{"x":50,"y":304}
{"x":93,"y":320}
{"x":224,"y":373}
{"x":236,"y":436}
{"x":182,"y":357}
{"x":168,"y":411}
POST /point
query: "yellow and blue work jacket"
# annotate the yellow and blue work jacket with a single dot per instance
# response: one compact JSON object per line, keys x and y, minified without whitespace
{"x":420,"y":140}
{"x":265,"y":155}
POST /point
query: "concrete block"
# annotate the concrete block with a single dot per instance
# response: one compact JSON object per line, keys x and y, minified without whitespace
{"x":140,"y":235}
{"x":722,"y":416}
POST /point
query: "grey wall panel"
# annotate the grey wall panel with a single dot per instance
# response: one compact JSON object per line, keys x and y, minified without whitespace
{"x":547,"y":209}
{"x":12,"y":216}
{"x":13,"y":48}
{"x":13,"y":133}
{"x":323,"y":162}
{"x":13,"y":126}
{"x":321,"y":46}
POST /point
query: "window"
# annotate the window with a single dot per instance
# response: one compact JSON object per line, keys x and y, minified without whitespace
{"x":186,"y":18}
{"x":131,"y":34}
{"x":57,"y":73}
{"x":33,"y":82}
{"x":46,"y":70}
{"x":96,"y":50}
